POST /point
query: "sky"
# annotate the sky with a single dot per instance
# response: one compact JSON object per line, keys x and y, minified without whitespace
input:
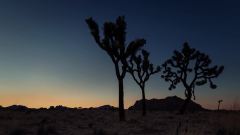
{"x":48,"y":56}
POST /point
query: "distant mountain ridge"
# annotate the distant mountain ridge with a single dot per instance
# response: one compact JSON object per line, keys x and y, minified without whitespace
{"x":172,"y":103}
{"x":105,"y":107}
{"x":17,"y":108}
{"x":58,"y":107}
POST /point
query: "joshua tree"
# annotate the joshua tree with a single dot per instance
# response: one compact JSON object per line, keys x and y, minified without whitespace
{"x":191,"y":68}
{"x":114,"y":44}
{"x":141,"y":69}
{"x":219,"y":102}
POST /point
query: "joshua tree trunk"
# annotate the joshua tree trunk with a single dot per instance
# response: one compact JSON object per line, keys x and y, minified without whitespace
{"x":143,"y":101}
{"x":121,"y":100}
{"x":219,"y":103}
{"x":186,"y":102}
{"x":184,"y":107}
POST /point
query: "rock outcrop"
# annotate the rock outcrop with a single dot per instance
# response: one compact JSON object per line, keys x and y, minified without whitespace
{"x":173,"y":103}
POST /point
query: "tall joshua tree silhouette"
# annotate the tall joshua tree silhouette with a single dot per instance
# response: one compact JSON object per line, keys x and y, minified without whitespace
{"x":191,"y":68}
{"x":114,"y":44}
{"x":141,"y":69}
{"x":219,"y":103}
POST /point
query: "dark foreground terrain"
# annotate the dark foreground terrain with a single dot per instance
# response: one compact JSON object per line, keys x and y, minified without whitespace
{"x":105,"y":122}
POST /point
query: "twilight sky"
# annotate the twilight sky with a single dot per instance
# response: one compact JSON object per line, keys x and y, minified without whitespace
{"x":48,"y":57}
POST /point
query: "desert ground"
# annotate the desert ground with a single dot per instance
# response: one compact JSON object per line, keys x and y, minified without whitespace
{"x":105,"y":122}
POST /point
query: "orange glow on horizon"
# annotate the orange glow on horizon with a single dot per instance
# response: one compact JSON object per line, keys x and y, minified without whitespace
{"x":54,"y":102}
{"x":47,"y":101}
{"x":38,"y":101}
{"x":53,"y":97}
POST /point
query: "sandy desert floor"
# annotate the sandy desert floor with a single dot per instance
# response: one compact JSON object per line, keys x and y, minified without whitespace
{"x":99,"y":122}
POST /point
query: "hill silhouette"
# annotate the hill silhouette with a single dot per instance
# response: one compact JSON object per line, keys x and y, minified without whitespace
{"x":16,"y":108}
{"x":106,"y":107}
{"x":172,"y":103}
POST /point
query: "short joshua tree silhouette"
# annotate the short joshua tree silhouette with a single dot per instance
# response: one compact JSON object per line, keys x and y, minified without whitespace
{"x":191,"y":68}
{"x":219,"y":103}
{"x":114,"y":44}
{"x":141,"y":69}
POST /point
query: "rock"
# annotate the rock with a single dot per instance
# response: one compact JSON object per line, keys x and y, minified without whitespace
{"x":106,"y":107}
{"x":172,"y":103}
{"x":17,"y":108}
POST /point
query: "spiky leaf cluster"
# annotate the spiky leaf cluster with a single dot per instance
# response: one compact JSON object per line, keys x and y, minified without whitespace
{"x":114,"y":39}
{"x":190,"y":61}
{"x":140,"y":68}
{"x":219,"y":101}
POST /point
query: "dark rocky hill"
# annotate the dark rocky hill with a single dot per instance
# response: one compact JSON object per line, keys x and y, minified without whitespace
{"x":173,"y":103}
{"x":106,"y":107}
{"x":16,"y":108}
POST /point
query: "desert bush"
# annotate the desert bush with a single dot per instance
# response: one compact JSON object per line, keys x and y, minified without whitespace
{"x":99,"y":132}
{"x":90,"y":125}
{"x":18,"y":131}
{"x":228,"y":131}
{"x":47,"y":130}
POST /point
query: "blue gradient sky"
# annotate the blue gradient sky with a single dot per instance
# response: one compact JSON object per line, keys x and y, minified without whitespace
{"x":48,"y":57}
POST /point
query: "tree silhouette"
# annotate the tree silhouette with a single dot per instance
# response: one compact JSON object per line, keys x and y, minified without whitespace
{"x":191,"y":68}
{"x":141,"y":69}
{"x":114,"y":44}
{"x":219,"y":102}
